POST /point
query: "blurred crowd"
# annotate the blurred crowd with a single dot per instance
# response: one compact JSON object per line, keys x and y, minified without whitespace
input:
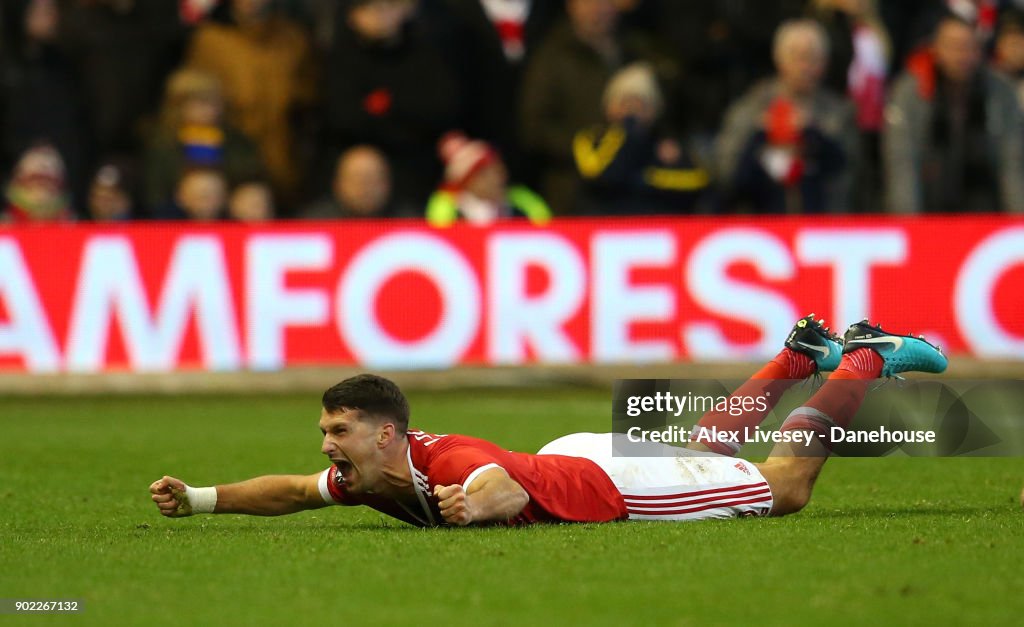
{"x":478,"y":110}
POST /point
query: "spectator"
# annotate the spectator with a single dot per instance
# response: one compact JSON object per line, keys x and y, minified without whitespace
{"x":200,"y":195}
{"x":982,"y":15}
{"x":192,"y":133}
{"x":111,"y":193}
{"x":361,"y":188}
{"x":38,"y":97}
{"x":1009,"y":52}
{"x":789,"y":145}
{"x":476,"y":188}
{"x":192,"y":12}
{"x":265,"y":63}
{"x":857,"y":66}
{"x":859,"y":56}
{"x":563,"y":85}
{"x":629,"y":165}
{"x":37,"y":191}
{"x":724,"y":48}
{"x":123,"y":49}
{"x":251,"y":201}
{"x":910,"y":24}
{"x":389,"y":86}
{"x":496,"y":39}
{"x":953,"y":135}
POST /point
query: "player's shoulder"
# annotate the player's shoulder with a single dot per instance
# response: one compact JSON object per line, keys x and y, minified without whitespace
{"x":428,"y":447}
{"x":418,"y":437}
{"x":426,"y":440}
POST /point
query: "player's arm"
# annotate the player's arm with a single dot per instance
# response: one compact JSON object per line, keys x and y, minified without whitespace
{"x":492,"y":496}
{"x":270,"y":495}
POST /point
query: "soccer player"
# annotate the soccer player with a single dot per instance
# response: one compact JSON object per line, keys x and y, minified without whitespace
{"x":430,"y":479}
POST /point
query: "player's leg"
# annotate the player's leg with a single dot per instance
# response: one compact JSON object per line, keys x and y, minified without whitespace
{"x":810,"y":348}
{"x":869,"y":352}
{"x":662,"y":482}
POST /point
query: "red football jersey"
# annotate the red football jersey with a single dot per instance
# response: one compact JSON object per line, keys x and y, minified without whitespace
{"x":561,"y":489}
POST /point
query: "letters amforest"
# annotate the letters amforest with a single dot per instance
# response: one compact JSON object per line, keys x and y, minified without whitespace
{"x":400,"y":295}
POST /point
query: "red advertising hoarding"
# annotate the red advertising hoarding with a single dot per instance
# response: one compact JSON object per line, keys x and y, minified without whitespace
{"x":162,"y":296}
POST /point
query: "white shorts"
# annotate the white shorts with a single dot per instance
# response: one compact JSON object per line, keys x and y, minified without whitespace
{"x":671,"y":483}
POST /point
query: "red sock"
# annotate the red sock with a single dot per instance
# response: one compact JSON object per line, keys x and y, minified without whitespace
{"x":770,"y":382}
{"x":837,"y":402}
{"x":788,"y":364}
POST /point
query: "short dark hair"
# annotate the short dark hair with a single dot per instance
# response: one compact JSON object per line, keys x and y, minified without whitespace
{"x":947,"y":16}
{"x":375,"y":397}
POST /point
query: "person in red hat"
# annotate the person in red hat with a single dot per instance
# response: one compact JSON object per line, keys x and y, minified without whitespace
{"x":38,"y":188}
{"x":476,"y":188}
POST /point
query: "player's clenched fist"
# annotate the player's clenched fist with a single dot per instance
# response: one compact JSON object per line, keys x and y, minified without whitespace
{"x":170,"y":496}
{"x":453,"y":502}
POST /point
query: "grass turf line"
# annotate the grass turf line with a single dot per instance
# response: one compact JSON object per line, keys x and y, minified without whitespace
{"x":906,"y":541}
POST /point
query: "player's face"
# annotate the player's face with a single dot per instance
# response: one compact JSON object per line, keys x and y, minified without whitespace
{"x":353,"y":446}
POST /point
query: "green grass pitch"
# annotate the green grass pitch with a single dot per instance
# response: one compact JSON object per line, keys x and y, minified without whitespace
{"x":884,"y":541}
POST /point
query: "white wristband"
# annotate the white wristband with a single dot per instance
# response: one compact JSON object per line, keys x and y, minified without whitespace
{"x":202,"y":500}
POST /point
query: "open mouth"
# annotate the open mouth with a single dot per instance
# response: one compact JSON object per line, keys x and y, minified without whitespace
{"x":344,"y":468}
